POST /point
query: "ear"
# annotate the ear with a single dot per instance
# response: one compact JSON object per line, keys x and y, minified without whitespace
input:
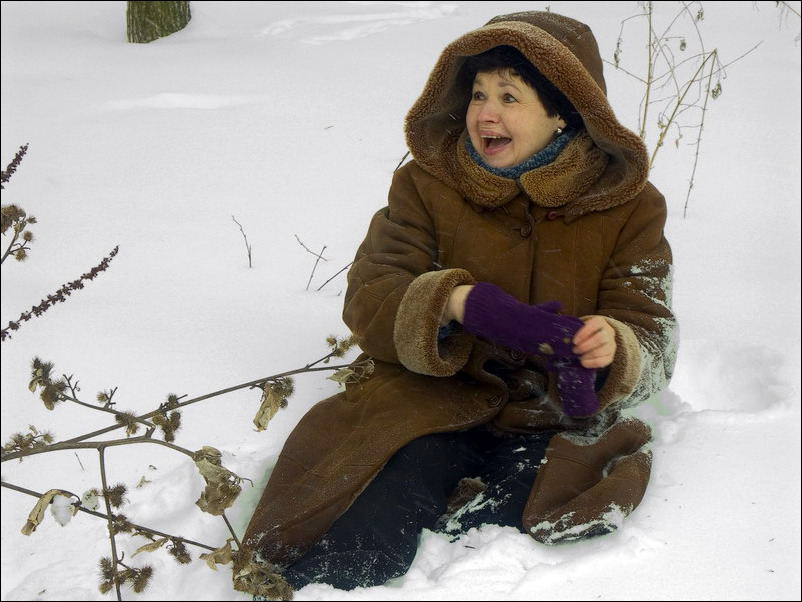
{"x":561,"y":122}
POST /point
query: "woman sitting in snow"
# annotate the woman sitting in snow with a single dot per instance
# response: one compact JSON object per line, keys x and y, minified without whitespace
{"x":514,"y":295}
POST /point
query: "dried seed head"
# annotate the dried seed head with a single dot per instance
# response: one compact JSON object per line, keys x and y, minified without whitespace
{"x":141,"y":580}
{"x":116,"y":495}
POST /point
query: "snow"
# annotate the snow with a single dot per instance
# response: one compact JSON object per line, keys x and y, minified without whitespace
{"x":288,"y":117}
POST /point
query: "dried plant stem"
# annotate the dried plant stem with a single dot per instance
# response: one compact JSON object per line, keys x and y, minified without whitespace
{"x":94,"y":513}
{"x":15,"y":246}
{"x":231,"y":530}
{"x":79,"y":443}
{"x":650,"y":70}
{"x":789,"y":7}
{"x":109,"y":521}
{"x":70,"y":443}
{"x":5,"y":176}
{"x":247,"y":246}
{"x":698,"y":144}
{"x":74,"y":399}
{"x":401,"y":162}
{"x":335,"y":275}
{"x":679,"y":104}
{"x":318,"y":257}
{"x":60,"y":295}
{"x":312,"y":275}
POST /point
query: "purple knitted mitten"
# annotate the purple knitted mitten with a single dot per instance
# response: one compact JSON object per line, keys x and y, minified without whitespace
{"x":537,"y":330}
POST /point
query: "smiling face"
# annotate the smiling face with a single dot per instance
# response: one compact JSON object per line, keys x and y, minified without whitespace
{"x":506,"y":120}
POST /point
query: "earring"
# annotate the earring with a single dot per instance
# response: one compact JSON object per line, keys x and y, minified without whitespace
{"x":558,"y":131}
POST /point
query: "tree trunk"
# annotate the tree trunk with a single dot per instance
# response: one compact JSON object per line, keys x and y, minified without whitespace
{"x":148,"y":21}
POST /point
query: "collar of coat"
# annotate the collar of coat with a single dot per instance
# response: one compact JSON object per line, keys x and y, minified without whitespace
{"x":604,"y":166}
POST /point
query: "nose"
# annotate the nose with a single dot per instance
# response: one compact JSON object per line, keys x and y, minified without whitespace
{"x":489,"y":111}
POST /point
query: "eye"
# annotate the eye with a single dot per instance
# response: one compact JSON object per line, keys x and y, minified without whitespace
{"x":477,"y":95}
{"x":509,"y":98}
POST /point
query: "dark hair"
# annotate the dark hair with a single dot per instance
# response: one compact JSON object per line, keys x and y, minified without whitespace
{"x":503,"y":58}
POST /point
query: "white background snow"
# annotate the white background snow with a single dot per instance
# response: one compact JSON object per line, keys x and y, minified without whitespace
{"x":288,"y":116}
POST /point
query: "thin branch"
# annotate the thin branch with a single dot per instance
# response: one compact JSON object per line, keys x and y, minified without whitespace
{"x":247,"y":246}
{"x":74,"y":399}
{"x":318,"y":256}
{"x":678,"y":104}
{"x":312,"y":275}
{"x":401,"y":161}
{"x":698,"y":142}
{"x":789,"y":7}
{"x":335,"y":275}
{"x":308,"y":250}
{"x":136,"y":527}
{"x":231,"y":530}
{"x":254,"y":383}
{"x":625,"y":71}
{"x":79,"y":443}
{"x":60,"y":295}
{"x":109,"y":520}
{"x":11,"y":246}
{"x":649,"y":71}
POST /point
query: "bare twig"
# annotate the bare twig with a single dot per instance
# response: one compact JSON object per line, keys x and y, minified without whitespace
{"x":107,"y":408}
{"x":231,"y":530}
{"x":109,"y":520}
{"x":318,"y":257}
{"x":312,"y":275}
{"x":401,"y":162}
{"x":786,"y":6}
{"x":679,"y":89}
{"x":80,"y":443}
{"x":335,"y":275}
{"x":94,"y":513}
{"x":708,"y":94}
{"x":650,"y":69}
{"x":308,"y":250}
{"x":251,"y":384}
{"x":247,"y":246}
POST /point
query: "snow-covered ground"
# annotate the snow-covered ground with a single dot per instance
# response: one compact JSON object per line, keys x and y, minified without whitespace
{"x":288,"y":116}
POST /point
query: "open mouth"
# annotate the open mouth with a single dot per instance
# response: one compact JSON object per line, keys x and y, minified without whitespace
{"x":494,"y":144}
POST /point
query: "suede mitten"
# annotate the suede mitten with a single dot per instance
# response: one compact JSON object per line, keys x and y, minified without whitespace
{"x":536,"y":330}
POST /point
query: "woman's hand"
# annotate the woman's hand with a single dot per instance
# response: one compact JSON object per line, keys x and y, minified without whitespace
{"x":455,"y":307}
{"x":594,"y":343}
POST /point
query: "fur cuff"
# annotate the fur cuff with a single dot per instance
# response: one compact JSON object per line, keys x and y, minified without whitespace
{"x":417,"y":325}
{"x":625,"y":369}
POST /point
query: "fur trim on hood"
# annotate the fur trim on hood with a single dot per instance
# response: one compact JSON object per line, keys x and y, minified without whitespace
{"x":566,"y":52}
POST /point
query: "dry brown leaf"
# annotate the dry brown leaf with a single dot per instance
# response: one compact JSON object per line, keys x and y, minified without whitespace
{"x":38,"y":512}
{"x":271,"y":402}
{"x":152,"y":546}
{"x":222,"y":555}
{"x":260,"y":580}
{"x":222,"y":485}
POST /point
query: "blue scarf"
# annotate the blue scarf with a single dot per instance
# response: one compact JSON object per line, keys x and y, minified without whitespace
{"x":539,"y":159}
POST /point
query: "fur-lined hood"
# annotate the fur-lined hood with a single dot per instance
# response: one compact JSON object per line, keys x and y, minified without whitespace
{"x":604,"y":166}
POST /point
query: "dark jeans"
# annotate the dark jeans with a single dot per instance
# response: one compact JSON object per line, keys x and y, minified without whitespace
{"x":377,"y":538}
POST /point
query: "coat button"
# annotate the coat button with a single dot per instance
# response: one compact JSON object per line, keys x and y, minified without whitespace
{"x":493,"y":400}
{"x":526,"y":230}
{"x":516,"y":355}
{"x":552,"y":215}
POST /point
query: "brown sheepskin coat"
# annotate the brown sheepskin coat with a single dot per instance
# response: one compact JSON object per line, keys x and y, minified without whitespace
{"x":585,"y":230}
